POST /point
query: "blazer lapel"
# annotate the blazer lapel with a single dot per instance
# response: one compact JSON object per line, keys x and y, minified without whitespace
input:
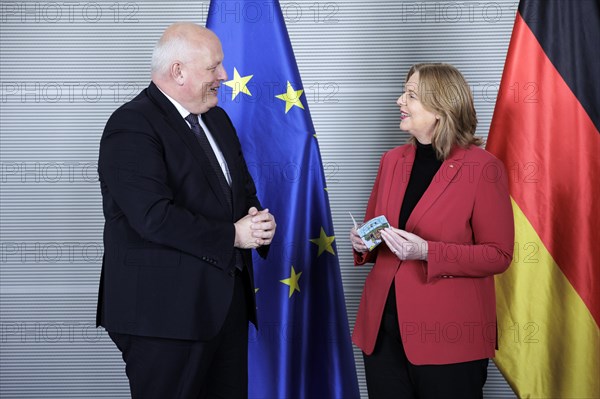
{"x":449,"y":169}
{"x":227,"y":149}
{"x":182,"y":130}
{"x":399,"y":182}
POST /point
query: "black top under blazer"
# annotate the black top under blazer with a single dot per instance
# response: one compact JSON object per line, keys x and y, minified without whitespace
{"x":169,"y":233}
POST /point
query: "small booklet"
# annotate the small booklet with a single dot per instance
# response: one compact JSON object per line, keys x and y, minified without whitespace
{"x":370,"y":231}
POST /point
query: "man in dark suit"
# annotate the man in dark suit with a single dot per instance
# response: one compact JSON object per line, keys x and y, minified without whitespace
{"x":181,"y":215}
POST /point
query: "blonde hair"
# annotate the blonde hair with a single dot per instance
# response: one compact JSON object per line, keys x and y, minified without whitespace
{"x":444,"y":91}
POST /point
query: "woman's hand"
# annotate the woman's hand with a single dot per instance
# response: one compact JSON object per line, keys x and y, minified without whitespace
{"x":357,"y":243}
{"x":405,"y":245}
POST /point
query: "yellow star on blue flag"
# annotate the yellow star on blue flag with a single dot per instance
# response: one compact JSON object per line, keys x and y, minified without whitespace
{"x":291,"y":97}
{"x":292,"y":281}
{"x":238,"y":84}
{"x":324,"y":242}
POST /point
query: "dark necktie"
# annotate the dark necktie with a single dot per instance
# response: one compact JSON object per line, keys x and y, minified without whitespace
{"x":214,"y":163}
{"x":210,"y":154}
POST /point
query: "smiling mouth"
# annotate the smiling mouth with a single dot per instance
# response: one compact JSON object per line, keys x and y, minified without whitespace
{"x":403,"y":115}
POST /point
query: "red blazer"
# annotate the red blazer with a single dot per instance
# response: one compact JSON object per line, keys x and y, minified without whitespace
{"x":446,"y":305}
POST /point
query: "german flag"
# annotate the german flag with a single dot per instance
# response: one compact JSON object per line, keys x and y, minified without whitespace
{"x":546,"y":130}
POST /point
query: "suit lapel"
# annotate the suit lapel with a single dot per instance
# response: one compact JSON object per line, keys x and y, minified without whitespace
{"x":399,"y":181}
{"x":449,"y":169}
{"x":182,"y":130}
{"x":227,"y":149}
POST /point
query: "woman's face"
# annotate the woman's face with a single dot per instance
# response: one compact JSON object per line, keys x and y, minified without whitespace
{"x":414,"y":118}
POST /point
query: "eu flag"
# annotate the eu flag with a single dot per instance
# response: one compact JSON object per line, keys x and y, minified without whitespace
{"x":302,"y":348}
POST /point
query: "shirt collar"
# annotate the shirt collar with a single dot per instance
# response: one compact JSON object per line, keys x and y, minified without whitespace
{"x":180,"y":108}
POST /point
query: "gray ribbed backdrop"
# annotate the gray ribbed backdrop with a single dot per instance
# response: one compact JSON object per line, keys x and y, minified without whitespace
{"x":66,"y":65}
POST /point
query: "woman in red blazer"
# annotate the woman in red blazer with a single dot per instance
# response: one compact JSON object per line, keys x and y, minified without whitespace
{"x":427,"y":318}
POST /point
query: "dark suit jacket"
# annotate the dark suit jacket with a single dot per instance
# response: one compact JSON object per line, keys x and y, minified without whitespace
{"x":447,"y":305}
{"x":169,"y":233}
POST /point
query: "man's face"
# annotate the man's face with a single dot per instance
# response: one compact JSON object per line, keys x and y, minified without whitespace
{"x":203,"y":73}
